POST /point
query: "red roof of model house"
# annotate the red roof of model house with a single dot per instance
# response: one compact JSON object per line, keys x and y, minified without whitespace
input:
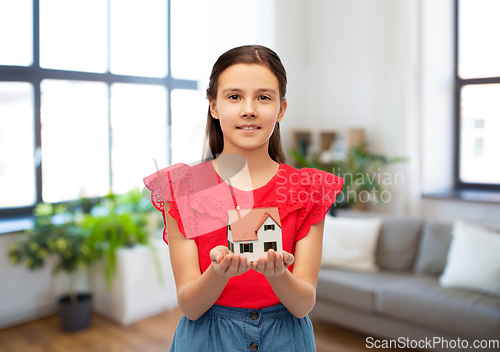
{"x":246,"y":222}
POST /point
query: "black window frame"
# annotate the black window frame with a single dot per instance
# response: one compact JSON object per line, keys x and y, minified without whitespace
{"x":269,"y":227}
{"x":35,"y":74}
{"x":246,"y":247}
{"x":459,"y":84}
{"x":270,"y":245}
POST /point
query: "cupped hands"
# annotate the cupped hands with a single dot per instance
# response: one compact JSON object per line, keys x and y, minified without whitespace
{"x":275,"y":264}
{"x":227,"y":263}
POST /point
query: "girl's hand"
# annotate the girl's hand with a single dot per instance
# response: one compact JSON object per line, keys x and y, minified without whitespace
{"x":228,"y":264}
{"x":275,"y":264}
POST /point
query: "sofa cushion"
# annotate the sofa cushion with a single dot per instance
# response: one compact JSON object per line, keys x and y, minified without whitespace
{"x":433,"y":249}
{"x":398,"y":243}
{"x":423,"y":301}
{"x":350,"y":243}
{"x":352,"y":288}
{"x":473,"y":260}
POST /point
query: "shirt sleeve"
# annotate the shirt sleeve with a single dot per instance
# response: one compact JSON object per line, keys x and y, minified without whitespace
{"x":321,"y":188}
{"x":168,"y":185}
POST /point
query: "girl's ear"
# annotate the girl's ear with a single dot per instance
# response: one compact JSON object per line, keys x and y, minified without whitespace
{"x":213,"y":109}
{"x":282,"y":110}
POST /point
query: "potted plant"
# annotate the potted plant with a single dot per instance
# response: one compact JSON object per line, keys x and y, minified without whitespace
{"x":359,"y":167}
{"x":119,"y":221}
{"x":124,"y":287}
{"x":60,"y":234}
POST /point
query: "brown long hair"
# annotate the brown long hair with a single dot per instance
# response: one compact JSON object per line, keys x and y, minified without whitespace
{"x":247,"y":54}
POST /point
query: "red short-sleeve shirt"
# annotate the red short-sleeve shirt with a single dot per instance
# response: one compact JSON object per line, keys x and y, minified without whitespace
{"x":200,"y":201}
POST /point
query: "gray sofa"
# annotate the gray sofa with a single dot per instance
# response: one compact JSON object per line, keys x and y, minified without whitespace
{"x":404,"y":299}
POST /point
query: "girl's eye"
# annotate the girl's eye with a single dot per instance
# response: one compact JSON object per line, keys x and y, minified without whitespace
{"x":233,"y":97}
{"x":264,"y":97}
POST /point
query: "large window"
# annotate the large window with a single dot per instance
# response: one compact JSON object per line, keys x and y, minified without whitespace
{"x":85,"y":98}
{"x":477,"y":120}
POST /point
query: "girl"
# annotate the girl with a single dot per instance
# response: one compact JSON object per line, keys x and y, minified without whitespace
{"x":231,"y":303}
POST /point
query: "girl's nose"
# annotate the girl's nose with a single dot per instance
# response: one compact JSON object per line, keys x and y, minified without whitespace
{"x":248,"y":110}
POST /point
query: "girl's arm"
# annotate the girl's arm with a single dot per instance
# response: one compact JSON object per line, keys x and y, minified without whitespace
{"x":296,"y":291}
{"x":197,"y":292}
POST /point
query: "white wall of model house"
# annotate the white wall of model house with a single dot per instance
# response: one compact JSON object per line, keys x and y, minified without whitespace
{"x":264,"y":235}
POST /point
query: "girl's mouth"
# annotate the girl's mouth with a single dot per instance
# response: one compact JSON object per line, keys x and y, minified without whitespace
{"x":249,"y":128}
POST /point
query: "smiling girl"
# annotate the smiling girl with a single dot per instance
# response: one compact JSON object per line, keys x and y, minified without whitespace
{"x":228,"y":302}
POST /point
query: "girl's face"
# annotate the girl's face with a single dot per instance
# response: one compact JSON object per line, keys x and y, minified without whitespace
{"x":248,"y":106}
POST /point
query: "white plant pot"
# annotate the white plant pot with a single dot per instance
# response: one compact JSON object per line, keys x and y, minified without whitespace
{"x":136,"y":292}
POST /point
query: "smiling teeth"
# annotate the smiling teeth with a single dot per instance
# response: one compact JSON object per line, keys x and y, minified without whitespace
{"x":248,"y":128}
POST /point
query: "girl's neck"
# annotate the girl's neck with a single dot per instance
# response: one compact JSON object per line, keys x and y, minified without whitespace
{"x":258,"y":159}
{"x":259,"y":165}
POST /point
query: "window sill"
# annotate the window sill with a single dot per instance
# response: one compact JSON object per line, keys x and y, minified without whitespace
{"x":467,"y":196}
{"x":15,"y":224}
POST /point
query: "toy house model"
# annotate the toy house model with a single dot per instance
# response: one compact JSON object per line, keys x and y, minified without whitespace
{"x":252,"y":232}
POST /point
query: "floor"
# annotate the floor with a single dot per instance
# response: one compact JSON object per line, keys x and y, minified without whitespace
{"x":153,"y":334}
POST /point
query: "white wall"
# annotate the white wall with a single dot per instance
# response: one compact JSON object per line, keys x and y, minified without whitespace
{"x":351,"y":64}
{"x":437,"y":95}
{"x":386,"y":66}
{"x":337,"y":54}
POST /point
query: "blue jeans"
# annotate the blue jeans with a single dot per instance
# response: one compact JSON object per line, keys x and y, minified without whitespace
{"x":227,"y":329}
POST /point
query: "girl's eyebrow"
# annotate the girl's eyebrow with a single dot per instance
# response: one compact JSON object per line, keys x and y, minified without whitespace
{"x":238,"y":90}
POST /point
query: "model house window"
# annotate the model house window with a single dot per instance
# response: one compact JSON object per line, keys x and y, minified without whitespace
{"x":268,"y":227}
{"x":85,"y":98}
{"x":229,"y":227}
{"x":477,"y":103}
{"x":246,"y":247}
{"x":269,"y":245}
